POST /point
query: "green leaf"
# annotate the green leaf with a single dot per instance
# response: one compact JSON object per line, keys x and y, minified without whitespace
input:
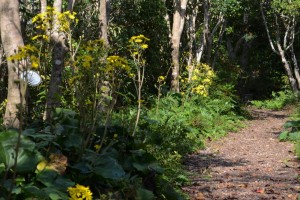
{"x":143,"y":194}
{"x":52,"y":179}
{"x":283,"y":135}
{"x":294,"y":136}
{"x":292,"y":124}
{"x":28,"y":157}
{"x":54,"y":196}
{"x":2,"y":168}
{"x":73,"y":141}
{"x":83,"y":167}
{"x":109,"y":168}
{"x":34,"y":191}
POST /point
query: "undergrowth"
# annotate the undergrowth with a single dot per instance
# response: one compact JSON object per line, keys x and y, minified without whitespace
{"x":278,"y":101}
{"x":292,"y":132}
{"x":178,"y":125}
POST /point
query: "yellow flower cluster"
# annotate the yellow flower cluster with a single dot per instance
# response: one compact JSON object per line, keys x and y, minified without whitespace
{"x":45,"y":20}
{"x":161,"y":79}
{"x":137,"y":44}
{"x":26,"y":52}
{"x":140,"y":40}
{"x":117,"y":62}
{"x":80,"y":192}
{"x":201,"y":79}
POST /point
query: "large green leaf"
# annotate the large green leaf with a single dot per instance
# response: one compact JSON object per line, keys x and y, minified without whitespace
{"x":108,"y":167}
{"x":55,"y":184}
{"x":28,"y":156}
{"x":145,"y":162}
{"x":143,"y":194}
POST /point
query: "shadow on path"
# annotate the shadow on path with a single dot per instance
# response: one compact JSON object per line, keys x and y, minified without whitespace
{"x":248,"y":165}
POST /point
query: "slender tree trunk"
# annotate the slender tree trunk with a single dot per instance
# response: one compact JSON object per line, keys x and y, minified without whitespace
{"x":192,"y":38}
{"x":220,"y":39}
{"x":103,"y":21}
{"x":178,"y":24}
{"x":58,"y":38}
{"x":206,"y":32}
{"x":11,"y":37}
{"x":43,"y":6}
{"x":167,"y":19}
{"x":287,"y":68}
{"x":296,"y":66}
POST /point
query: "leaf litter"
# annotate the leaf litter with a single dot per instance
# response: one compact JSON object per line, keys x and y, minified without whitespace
{"x":251,"y":164}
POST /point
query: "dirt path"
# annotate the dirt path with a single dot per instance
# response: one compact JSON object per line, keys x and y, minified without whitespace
{"x":248,"y":165}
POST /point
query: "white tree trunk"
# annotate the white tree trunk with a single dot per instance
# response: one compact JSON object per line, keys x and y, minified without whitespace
{"x":11,"y":39}
{"x":287,"y":68}
{"x":177,"y":27}
{"x":192,"y":38}
{"x":296,"y":66}
{"x":103,"y":21}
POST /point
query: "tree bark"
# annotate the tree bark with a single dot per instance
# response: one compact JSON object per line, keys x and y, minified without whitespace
{"x":296,"y":66}
{"x":287,"y":68}
{"x":58,"y":38}
{"x":177,"y":28}
{"x":103,"y":19}
{"x":11,"y":37}
{"x":192,"y":38}
{"x":206,"y":32}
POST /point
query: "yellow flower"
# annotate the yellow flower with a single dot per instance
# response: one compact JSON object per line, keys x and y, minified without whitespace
{"x":131,"y":75}
{"x":194,"y":78}
{"x":144,"y":46}
{"x":34,"y":65}
{"x":117,"y":62}
{"x":80,"y":192}
{"x":138,"y":40}
{"x":161,"y":79}
{"x":206,"y":81}
{"x":97,"y":147}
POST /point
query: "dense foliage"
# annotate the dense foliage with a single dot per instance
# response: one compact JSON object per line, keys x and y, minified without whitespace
{"x":291,"y":132}
{"x":119,"y":132}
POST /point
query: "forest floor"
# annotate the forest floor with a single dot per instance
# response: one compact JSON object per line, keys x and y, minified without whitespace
{"x":248,"y":165}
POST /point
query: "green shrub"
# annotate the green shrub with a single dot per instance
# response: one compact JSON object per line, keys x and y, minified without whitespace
{"x":121,"y":169}
{"x":278,"y":101}
{"x":178,"y":125}
{"x":292,"y":132}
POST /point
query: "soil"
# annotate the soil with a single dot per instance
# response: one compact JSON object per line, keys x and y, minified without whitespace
{"x":248,"y":165}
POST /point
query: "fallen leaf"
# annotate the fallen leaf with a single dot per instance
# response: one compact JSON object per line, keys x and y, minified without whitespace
{"x":260,"y":190}
{"x":243,"y":185}
{"x":292,"y":196}
{"x":200,"y":196}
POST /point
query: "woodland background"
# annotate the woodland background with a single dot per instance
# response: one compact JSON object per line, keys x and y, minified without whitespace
{"x":131,"y":86}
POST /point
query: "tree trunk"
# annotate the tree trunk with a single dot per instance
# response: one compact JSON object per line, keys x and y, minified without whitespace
{"x":222,"y":21}
{"x":288,"y":70}
{"x":206,"y":32}
{"x":178,"y":24}
{"x":296,"y":67}
{"x":103,"y":21}
{"x":192,"y":38}
{"x":58,"y":39}
{"x":11,"y":37}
